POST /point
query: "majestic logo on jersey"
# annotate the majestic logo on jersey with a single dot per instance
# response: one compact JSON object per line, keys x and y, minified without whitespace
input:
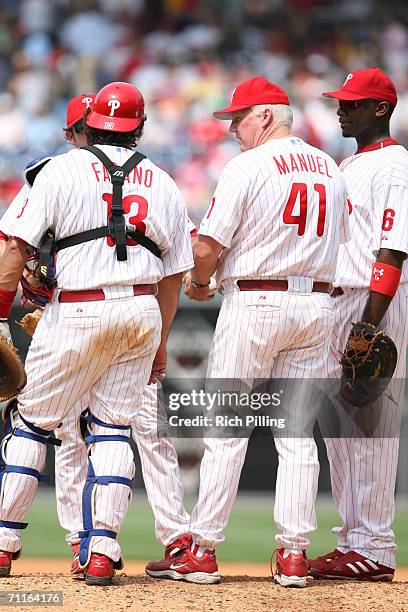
{"x":348,"y":77}
{"x":87,"y":101}
{"x":114,"y":104}
{"x":118,"y":173}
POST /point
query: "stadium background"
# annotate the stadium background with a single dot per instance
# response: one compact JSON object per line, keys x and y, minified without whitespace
{"x":186,"y":56}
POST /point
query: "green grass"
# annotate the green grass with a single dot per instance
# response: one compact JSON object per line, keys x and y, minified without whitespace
{"x":249,"y":536}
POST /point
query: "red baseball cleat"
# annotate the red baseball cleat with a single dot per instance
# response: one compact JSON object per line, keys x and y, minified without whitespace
{"x":185,"y":565}
{"x":291,"y":571}
{"x":320,"y":562}
{"x":353,"y":566}
{"x":99,"y":571}
{"x":5,"y":563}
{"x":77,"y":573}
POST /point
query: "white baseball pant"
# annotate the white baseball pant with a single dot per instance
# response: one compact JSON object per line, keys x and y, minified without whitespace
{"x":363,"y":469}
{"x":160,"y":468}
{"x":267,"y":335}
{"x":103,"y":348}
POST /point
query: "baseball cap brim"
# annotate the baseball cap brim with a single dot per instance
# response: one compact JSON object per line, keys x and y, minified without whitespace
{"x":112,"y":124}
{"x":226,"y":113}
{"x":344,"y":95}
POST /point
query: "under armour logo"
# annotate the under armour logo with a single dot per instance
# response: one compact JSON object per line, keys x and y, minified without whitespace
{"x":348,"y":77}
{"x":378,"y":273}
{"x":114,"y":104}
{"x":87,"y":101}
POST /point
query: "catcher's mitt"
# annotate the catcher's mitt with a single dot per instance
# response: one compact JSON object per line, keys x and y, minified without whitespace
{"x":29,"y":322}
{"x":12,"y":373}
{"x":368,"y":364}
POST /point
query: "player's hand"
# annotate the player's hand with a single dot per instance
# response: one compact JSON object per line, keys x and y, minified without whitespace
{"x":5,"y":330}
{"x":159,"y":365}
{"x":204,"y":294}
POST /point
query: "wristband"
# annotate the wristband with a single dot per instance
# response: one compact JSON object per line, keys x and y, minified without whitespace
{"x":199,"y":285}
{"x":385,"y":279}
{"x":6,"y":302}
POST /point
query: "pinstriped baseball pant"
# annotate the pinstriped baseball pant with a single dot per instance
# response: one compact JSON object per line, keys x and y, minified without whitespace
{"x":267,"y":335}
{"x":103,"y":348}
{"x":158,"y":457}
{"x":363,"y":470}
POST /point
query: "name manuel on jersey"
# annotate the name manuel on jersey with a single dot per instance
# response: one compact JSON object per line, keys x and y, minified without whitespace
{"x":298,"y":161}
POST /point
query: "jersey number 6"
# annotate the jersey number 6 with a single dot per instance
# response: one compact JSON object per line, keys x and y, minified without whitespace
{"x":299,"y":192}
{"x":129,"y":203}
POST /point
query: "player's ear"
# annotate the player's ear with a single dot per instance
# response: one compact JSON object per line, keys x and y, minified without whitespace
{"x":267,"y":117}
{"x":382,"y":109}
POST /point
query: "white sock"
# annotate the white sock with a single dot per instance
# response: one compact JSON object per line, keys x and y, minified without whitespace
{"x":293,"y":551}
{"x":197,"y":550}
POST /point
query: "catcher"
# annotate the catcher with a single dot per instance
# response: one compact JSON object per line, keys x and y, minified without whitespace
{"x":171,"y":518}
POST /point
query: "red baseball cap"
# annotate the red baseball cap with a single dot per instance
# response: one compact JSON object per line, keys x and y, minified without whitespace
{"x":77,"y":107}
{"x":249,"y":93}
{"x":365,"y":84}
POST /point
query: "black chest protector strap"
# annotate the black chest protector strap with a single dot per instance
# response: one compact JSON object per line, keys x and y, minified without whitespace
{"x":116,"y":227}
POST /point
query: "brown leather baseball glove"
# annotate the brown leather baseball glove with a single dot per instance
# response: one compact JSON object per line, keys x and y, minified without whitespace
{"x":368,"y":363}
{"x":29,"y":322}
{"x":12,"y":373}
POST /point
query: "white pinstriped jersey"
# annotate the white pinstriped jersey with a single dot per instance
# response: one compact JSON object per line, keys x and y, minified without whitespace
{"x":15,"y":207}
{"x":280,"y":210}
{"x":8,"y":220}
{"x":73,"y":193}
{"x":377,"y":185}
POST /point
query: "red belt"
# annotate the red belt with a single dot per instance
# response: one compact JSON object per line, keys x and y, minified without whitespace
{"x":279,"y":285}
{"x":93,"y":295}
{"x":337,"y":291}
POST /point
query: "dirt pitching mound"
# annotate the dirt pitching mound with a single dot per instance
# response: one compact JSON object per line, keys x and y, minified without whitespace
{"x":246,"y":587}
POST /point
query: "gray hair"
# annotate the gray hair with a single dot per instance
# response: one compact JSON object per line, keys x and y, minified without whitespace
{"x":282,"y":113}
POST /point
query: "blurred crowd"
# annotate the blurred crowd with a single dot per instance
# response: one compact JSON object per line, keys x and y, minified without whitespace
{"x":186,"y":56}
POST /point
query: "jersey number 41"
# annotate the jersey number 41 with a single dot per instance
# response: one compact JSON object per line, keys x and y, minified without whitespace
{"x":299,"y":194}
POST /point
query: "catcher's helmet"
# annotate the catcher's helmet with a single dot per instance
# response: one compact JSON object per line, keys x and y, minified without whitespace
{"x":118,"y":107}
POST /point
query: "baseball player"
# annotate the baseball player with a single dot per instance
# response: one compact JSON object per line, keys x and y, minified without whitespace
{"x":271,"y":234}
{"x":371,"y":286}
{"x":156,"y":453}
{"x":104,"y":332}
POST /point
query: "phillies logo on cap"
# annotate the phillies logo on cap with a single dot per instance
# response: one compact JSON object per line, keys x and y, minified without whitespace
{"x":87,"y":101}
{"x":114,"y":104}
{"x":348,"y":77}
